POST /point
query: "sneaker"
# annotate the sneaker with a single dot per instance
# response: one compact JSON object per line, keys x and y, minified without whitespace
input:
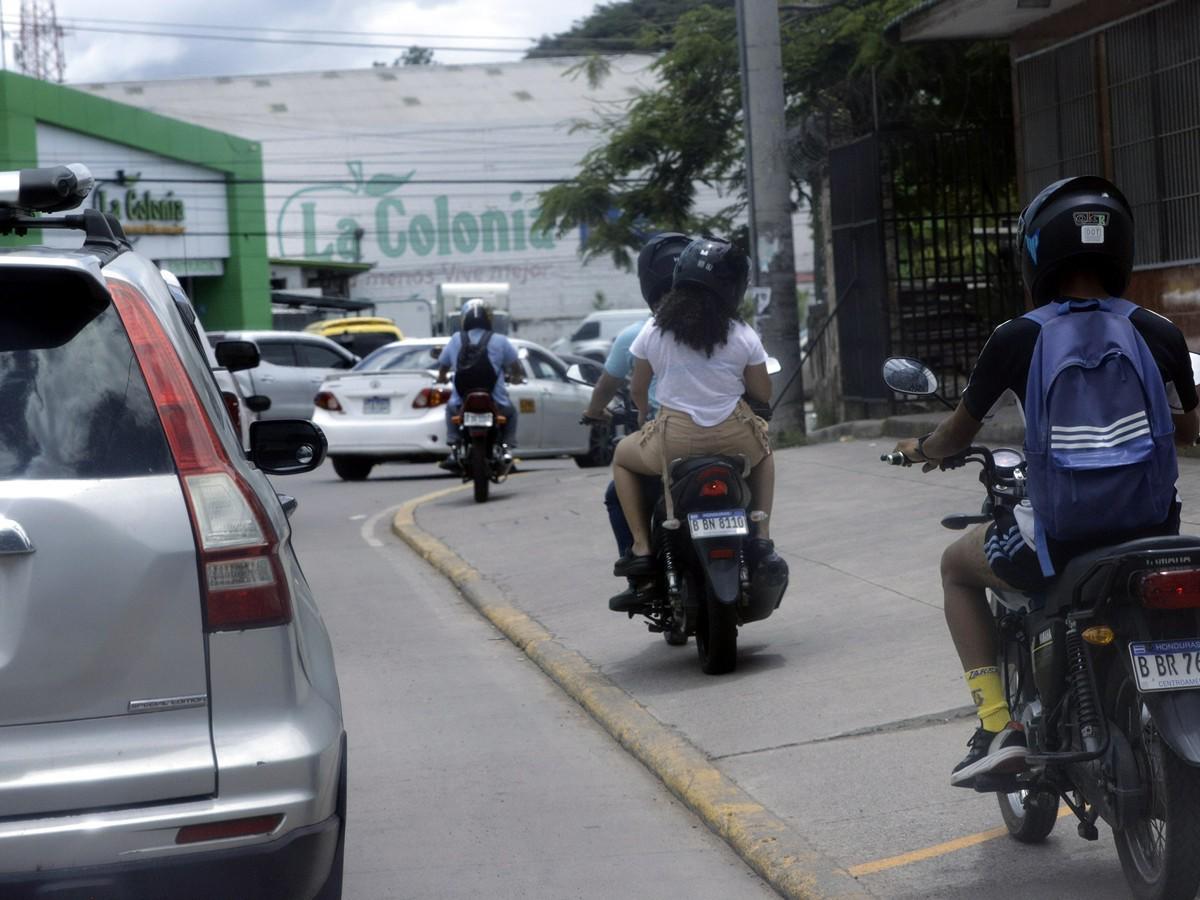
{"x":991,"y":753}
{"x":626,"y":601}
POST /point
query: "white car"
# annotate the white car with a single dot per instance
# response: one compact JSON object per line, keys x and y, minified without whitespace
{"x":389,"y":408}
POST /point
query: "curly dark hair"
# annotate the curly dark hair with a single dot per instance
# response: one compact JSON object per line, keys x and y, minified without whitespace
{"x":697,"y":317}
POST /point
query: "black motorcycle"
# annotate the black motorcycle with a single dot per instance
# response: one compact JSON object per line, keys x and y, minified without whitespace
{"x":483,"y":457}
{"x":1101,"y":669}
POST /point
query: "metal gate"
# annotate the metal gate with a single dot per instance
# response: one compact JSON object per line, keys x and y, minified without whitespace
{"x":924,"y":233}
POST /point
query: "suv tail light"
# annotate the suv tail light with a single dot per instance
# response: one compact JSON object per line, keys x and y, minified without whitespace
{"x":241,"y":578}
{"x":234,"y":408}
{"x":1174,"y":589}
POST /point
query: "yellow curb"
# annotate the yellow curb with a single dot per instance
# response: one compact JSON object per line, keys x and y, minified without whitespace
{"x":784,"y":858}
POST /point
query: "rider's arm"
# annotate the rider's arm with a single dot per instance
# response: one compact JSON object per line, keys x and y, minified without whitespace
{"x":443,"y":374}
{"x":758,"y":383}
{"x":602,"y":393}
{"x":954,"y":435}
{"x":639,"y":386}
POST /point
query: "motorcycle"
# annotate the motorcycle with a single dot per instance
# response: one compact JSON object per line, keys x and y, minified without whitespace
{"x":703,"y":584}
{"x":484,"y":460}
{"x":1101,"y":670}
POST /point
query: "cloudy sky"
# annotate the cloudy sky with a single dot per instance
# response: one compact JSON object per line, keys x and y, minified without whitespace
{"x":94,"y":52}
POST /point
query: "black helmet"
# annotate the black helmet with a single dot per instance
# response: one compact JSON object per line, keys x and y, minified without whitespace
{"x":475,"y":314}
{"x":656,"y":264}
{"x":717,"y":265}
{"x":1084,"y":221}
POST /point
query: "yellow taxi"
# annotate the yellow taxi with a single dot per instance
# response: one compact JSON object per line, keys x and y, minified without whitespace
{"x":358,"y":334}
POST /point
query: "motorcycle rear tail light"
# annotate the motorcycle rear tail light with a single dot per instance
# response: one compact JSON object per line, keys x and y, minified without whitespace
{"x":715,"y":488}
{"x":430,"y":397}
{"x":326,"y":400}
{"x":1177,"y":589}
{"x":725,"y":553}
{"x":478,"y":402}
{"x":241,"y":582}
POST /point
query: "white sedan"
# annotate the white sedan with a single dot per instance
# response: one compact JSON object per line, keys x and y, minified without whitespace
{"x":388,"y":408}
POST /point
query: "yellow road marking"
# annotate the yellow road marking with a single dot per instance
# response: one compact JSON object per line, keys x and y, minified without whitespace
{"x":962,"y":843}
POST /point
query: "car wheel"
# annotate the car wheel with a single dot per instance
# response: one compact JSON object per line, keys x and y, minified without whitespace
{"x":600,"y":447}
{"x":350,"y":468}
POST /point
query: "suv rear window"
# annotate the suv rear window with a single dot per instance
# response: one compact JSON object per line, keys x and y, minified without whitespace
{"x":80,"y":409}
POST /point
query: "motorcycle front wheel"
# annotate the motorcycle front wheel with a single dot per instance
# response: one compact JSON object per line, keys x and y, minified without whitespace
{"x":479,"y":470}
{"x":1160,"y":851}
{"x":1029,"y":817}
{"x":716,"y":636}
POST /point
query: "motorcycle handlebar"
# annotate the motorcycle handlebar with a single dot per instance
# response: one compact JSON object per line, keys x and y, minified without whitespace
{"x":895,"y":458}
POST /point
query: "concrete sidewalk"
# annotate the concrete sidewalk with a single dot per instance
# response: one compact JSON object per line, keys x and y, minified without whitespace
{"x":848,"y":709}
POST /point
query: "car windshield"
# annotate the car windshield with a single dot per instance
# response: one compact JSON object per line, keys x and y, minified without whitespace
{"x":413,"y":357}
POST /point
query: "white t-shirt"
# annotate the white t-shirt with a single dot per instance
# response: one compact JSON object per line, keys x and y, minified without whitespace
{"x":705,"y":387}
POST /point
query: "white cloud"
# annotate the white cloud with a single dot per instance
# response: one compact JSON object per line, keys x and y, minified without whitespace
{"x":96,"y":56}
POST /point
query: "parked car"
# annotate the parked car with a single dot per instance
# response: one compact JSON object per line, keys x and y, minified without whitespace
{"x":389,"y":409}
{"x":171,"y":715}
{"x":358,"y":334}
{"x":597,"y":331}
{"x":293,"y":365}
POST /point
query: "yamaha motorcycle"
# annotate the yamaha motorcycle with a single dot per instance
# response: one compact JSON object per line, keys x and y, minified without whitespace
{"x":484,"y":458}
{"x":1102,"y":670}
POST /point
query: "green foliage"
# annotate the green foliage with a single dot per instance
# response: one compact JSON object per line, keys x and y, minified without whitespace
{"x":415,"y":56}
{"x":842,"y":79}
{"x":622,"y":27}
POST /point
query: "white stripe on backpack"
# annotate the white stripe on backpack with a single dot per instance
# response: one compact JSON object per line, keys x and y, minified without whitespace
{"x":1120,"y":432}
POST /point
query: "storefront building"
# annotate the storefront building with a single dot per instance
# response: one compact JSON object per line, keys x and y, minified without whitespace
{"x":188,"y":197}
{"x":1106,"y":87}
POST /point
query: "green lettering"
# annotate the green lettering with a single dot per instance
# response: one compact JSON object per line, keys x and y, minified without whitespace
{"x":466,"y":233}
{"x":309,"y":211}
{"x":542,"y":240}
{"x":347,"y":244}
{"x":495,"y":231}
{"x":441,"y":206}
{"x":392,"y":243}
{"x":421,"y":235}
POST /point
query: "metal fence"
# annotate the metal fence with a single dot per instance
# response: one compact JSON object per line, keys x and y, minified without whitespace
{"x":1125,"y":102}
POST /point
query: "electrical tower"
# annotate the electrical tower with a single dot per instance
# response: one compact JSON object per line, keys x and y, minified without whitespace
{"x":40,"y":52}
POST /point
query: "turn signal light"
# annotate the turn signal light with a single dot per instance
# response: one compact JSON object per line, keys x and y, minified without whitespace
{"x":230,"y":828}
{"x":1177,"y":589}
{"x":1100,"y":635}
{"x":326,"y":400}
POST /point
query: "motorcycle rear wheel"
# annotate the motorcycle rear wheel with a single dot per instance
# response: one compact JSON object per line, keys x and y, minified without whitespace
{"x":479,"y":470}
{"x":1160,"y":852}
{"x":716,"y":636}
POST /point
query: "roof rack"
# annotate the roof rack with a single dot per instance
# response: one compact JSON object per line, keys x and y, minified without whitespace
{"x":27,"y":192}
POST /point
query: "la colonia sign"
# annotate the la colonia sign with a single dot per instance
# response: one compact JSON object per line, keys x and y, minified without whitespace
{"x":441,"y":231}
{"x":143,"y":206}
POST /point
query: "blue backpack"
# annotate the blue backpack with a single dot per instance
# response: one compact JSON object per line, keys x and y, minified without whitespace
{"x":1098,"y":430}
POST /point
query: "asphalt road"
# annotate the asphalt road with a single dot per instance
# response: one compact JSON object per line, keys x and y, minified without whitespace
{"x":848,"y":709}
{"x":471,"y":774}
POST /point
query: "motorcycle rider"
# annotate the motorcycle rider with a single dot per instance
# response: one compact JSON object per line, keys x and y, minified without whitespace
{"x":475,"y":333}
{"x":655,"y":268}
{"x":1060,"y":261}
{"x":705,"y":358}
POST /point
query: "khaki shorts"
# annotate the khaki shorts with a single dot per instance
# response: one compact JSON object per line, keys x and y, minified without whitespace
{"x":674,"y":435}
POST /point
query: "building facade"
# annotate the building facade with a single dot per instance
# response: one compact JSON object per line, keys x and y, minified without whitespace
{"x":188,"y":197}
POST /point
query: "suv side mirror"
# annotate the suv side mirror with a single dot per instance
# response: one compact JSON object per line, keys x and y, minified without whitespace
{"x":286,"y":446}
{"x":237,"y":356}
{"x":258,"y":403}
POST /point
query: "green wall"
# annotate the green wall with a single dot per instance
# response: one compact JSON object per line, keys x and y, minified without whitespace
{"x":241,"y":298}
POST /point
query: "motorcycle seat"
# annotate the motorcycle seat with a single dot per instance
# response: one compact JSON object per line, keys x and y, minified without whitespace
{"x":682,"y":468}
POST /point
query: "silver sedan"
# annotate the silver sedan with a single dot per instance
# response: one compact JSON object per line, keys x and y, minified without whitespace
{"x":389,"y":409}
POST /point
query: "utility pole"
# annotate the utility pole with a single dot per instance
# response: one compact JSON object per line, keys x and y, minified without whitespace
{"x":770,"y":194}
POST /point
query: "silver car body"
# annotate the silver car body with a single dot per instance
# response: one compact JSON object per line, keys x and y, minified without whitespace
{"x":548,"y":403}
{"x":123,"y":719}
{"x":293,"y":365}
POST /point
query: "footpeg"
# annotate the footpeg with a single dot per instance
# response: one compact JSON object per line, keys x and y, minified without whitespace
{"x":1088,"y":831}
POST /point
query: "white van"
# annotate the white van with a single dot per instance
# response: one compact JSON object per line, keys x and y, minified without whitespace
{"x":598,"y":330}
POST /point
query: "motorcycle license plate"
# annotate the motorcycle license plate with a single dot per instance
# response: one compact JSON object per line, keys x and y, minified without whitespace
{"x":718,"y":524}
{"x":1166,"y":665}
{"x":377,"y":406}
{"x":477,"y":420}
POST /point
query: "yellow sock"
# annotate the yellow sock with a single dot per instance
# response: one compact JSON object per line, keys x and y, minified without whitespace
{"x":988,"y":694}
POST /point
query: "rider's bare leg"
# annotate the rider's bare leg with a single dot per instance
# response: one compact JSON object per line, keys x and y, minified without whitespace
{"x":627,"y":469}
{"x":762,"y":493}
{"x":966,"y":576}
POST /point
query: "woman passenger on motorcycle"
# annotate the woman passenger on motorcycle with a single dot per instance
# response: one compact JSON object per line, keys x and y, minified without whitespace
{"x":704,"y":358}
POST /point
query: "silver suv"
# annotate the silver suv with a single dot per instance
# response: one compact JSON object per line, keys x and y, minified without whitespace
{"x":170,"y":721}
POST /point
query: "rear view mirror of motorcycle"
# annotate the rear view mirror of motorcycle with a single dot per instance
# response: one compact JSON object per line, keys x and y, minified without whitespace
{"x":575,"y":374}
{"x":909,"y":376}
{"x":773,"y":366}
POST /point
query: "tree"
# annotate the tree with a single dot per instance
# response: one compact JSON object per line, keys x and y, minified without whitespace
{"x":630,"y":26}
{"x":415,"y":56}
